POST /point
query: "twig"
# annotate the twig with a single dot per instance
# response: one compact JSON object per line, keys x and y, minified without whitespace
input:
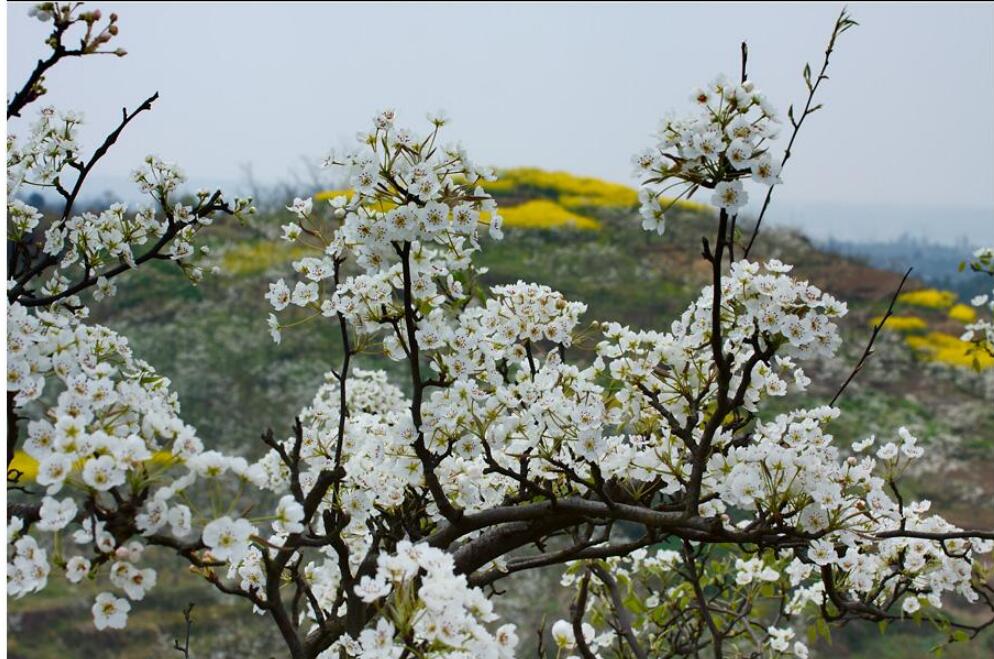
{"x":185,"y":648}
{"x":842,"y":24}
{"x":873,"y":337}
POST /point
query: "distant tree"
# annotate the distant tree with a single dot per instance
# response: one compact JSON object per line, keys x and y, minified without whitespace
{"x":37,"y":200}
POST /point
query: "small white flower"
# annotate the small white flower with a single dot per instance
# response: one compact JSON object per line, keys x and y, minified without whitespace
{"x":730,"y":195}
{"x":56,"y":515}
{"x":289,"y":514}
{"x":562,"y":634}
{"x":301,"y":207}
{"x":304,"y":294}
{"x":278,"y":295}
{"x":371,"y":589}
{"x":228,"y":539}
{"x":822,"y":552}
{"x":911,"y":604}
{"x":765,"y":171}
{"x":110,"y":612}
{"x":102,"y":473}
{"x":77,"y":568}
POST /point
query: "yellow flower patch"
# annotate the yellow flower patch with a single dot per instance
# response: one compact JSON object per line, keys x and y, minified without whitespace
{"x":28,"y":466}
{"x":545,"y":214}
{"x":575,"y":192}
{"x":574,"y":189}
{"x":929,"y":297}
{"x":902,"y":323}
{"x":963,"y":313}
{"x":326,"y":195}
{"x":250,"y":258}
{"x":571,"y":193}
{"x":948,"y":349}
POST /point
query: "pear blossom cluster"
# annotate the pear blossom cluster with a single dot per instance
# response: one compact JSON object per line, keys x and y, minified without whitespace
{"x":436,"y":605}
{"x":532,"y":312}
{"x":763,"y":311}
{"x":779,"y":593}
{"x":114,"y":457}
{"x":726,"y":142}
{"x":28,"y":566}
{"x":86,"y":250}
{"x":843,"y":502}
{"x":375,"y":451}
{"x":113,"y":431}
{"x":407,"y":189}
{"x":50,"y":147}
{"x":95,"y":244}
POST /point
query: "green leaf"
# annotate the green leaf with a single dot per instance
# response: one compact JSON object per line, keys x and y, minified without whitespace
{"x":824,"y":631}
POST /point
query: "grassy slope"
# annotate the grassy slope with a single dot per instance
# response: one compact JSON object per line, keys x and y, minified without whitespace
{"x":234,"y":382}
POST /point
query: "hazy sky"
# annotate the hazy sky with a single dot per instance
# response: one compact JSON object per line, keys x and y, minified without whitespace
{"x":908,"y":121}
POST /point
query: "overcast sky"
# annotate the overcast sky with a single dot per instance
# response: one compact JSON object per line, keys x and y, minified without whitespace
{"x":907,"y":121}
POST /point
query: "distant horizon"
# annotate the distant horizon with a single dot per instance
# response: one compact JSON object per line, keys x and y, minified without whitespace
{"x":818,"y":220}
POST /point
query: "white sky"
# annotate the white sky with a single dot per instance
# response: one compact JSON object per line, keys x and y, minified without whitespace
{"x":909,"y":116}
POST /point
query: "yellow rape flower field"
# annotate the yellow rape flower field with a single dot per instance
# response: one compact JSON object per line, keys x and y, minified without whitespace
{"x":931,"y":298}
{"x":948,"y":349}
{"x":249,"y":258}
{"x":963,"y":313}
{"x":573,"y":191}
{"x":569,"y":191}
{"x":25,"y":464}
{"x":901,"y":323}
{"x":545,"y":214}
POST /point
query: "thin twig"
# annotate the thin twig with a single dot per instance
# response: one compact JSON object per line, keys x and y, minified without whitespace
{"x":185,"y":648}
{"x":873,"y":337}
{"x":842,"y":24}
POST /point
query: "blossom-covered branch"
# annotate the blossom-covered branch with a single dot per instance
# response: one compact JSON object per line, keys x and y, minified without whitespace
{"x":395,"y":505}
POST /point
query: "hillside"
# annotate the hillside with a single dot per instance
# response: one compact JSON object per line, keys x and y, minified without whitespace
{"x":582,"y":237}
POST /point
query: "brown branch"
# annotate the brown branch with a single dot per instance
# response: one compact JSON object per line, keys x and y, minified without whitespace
{"x":577,"y":610}
{"x":428,"y":462}
{"x":702,"y":604}
{"x":89,"y":44}
{"x":621,"y":612}
{"x":155,"y":252}
{"x":49,"y":260}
